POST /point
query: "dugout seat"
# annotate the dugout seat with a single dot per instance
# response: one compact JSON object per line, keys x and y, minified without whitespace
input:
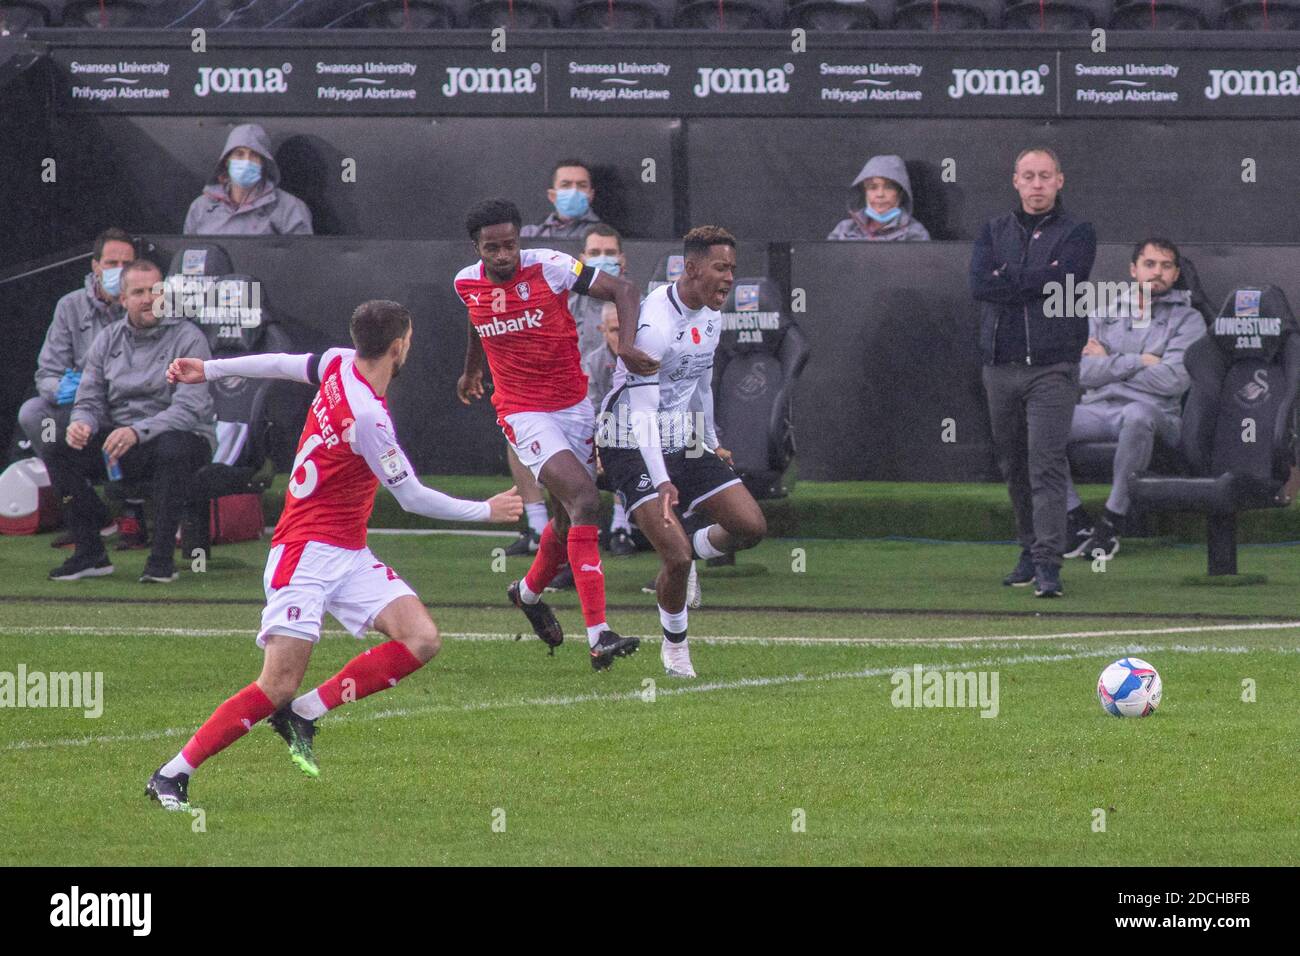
{"x":1095,"y":460}
{"x":112,"y":14}
{"x":372,"y":15}
{"x":1239,"y":428}
{"x":623,"y":14}
{"x":841,"y":14}
{"x":760,"y":356}
{"x":520,"y":14}
{"x":730,"y":15}
{"x":669,"y":270}
{"x":1055,"y":15}
{"x":947,"y":15}
{"x":1261,"y":15}
{"x":1166,"y":14}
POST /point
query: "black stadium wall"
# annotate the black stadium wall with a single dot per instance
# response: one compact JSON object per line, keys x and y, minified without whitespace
{"x":1191,"y":136}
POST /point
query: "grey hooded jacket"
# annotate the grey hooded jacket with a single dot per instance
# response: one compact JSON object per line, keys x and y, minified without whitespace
{"x":125,"y":381}
{"x":78,"y":318}
{"x":268,"y":211}
{"x":903,"y":228}
{"x":1120,"y":376}
{"x":553,"y":228}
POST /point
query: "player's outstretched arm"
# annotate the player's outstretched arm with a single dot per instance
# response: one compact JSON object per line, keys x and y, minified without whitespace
{"x":294,"y":368}
{"x":622,"y":293}
{"x":643,"y":408}
{"x":422,"y":500}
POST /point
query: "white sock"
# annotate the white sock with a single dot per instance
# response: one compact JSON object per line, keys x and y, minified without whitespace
{"x":673,"y":623}
{"x":593,"y":633}
{"x":309,"y":706}
{"x":537,"y":516}
{"x":619,"y":522}
{"x":526,"y":595}
{"x":176,"y":766}
{"x":703,"y":546}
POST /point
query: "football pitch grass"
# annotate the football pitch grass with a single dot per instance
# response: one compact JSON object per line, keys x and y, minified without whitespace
{"x":788,"y":749}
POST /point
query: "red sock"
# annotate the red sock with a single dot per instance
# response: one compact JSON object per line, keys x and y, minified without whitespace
{"x":377,"y":669}
{"x":547,"y":563}
{"x":227,"y":724}
{"x":588,"y":576}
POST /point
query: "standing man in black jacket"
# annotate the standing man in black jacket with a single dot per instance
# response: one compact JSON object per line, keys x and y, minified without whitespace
{"x":1031,"y":360}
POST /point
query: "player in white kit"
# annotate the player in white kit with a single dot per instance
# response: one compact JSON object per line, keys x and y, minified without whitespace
{"x":319,"y":560}
{"x":658,"y":443}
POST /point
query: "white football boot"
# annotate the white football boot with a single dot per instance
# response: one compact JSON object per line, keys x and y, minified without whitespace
{"x":677,"y":659}
{"x":693,"y":594}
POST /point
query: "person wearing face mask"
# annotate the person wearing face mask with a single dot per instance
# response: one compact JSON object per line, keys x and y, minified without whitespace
{"x":128,"y":417}
{"x":244,"y":197}
{"x":571,"y":194}
{"x":1132,"y":368}
{"x":880,"y":204}
{"x":78,"y":318}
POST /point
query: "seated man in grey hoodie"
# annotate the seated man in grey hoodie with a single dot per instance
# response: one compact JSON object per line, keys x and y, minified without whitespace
{"x":128,"y":419}
{"x":1132,"y":368}
{"x":243,"y":197}
{"x":880,"y":204}
{"x":78,"y":317}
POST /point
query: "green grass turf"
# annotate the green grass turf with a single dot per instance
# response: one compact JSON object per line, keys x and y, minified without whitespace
{"x":711,"y":771}
{"x":877,"y":509}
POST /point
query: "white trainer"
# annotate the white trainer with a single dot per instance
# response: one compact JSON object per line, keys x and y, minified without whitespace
{"x":676,"y":659}
{"x":693,"y":594}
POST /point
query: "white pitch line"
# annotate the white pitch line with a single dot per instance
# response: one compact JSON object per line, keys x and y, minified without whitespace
{"x":98,"y":630}
{"x":670,"y":691}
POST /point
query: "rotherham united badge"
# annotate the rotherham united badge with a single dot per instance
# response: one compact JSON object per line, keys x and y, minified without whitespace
{"x":522,"y":290}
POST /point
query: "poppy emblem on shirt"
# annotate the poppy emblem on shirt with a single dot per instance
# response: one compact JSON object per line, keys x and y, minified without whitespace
{"x":695,"y":335}
{"x":522,"y":290}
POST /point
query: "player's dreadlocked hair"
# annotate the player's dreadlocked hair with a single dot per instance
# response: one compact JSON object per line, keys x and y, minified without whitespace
{"x":698,"y":240}
{"x":491,"y":212}
{"x":376,"y":324}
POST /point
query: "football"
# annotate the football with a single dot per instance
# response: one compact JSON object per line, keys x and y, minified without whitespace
{"x":1130,"y":687}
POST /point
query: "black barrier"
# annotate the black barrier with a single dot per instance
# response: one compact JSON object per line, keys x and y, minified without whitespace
{"x":892,"y":391}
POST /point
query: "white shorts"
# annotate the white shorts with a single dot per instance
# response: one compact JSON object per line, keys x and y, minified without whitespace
{"x":304,"y":581}
{"x":536,"y":436}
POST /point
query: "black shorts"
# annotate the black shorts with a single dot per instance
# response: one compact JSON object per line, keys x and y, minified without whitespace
{"x":696,"y":478}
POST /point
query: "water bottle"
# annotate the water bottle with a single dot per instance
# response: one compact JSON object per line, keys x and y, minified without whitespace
{"x":113,"y":468}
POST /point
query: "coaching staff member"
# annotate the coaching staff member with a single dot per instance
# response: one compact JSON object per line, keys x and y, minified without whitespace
{"x":1031,"y":361}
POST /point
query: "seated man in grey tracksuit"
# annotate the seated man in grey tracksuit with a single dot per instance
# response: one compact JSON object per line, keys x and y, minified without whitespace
{"x":1132,"y":368}
{"x":128,"y":417}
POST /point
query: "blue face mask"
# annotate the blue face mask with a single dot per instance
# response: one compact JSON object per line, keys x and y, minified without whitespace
{"x":245,"y":172}
{"x":571,"y":203}
{"x":110,"y":280}
{"x":883,"y":218}
{"x":605,"y":264}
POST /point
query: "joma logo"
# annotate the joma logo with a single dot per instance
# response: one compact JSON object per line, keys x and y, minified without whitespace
{"x":488,"y":79}
{"x":243,"y":79}
{"x":995,"y":83}
{"x":1253,"y":83}
{"x":740,"y":80}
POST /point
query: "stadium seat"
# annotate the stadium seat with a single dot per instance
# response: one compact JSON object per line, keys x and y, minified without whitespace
{"x":372,"y":15}
{"x":623,"y":14}
{"x":111,"y":14}
{"x":730,"y":14}
{"x":1166,"y":14}
{"x":1057,"y":14}
{"x":946,"y":15}
{"x":1261,"y":15}
{"x":18,"y":18}
{"x":1238,"y":424}
{"x":841,"y":14}
{"x":760,"y":356}
{"x":668,"y":270}
{"x":520,"y":14}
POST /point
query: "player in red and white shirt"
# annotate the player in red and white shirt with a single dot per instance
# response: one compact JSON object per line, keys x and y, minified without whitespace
{"x":319,"y":561}
{"x":519,"y":321}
